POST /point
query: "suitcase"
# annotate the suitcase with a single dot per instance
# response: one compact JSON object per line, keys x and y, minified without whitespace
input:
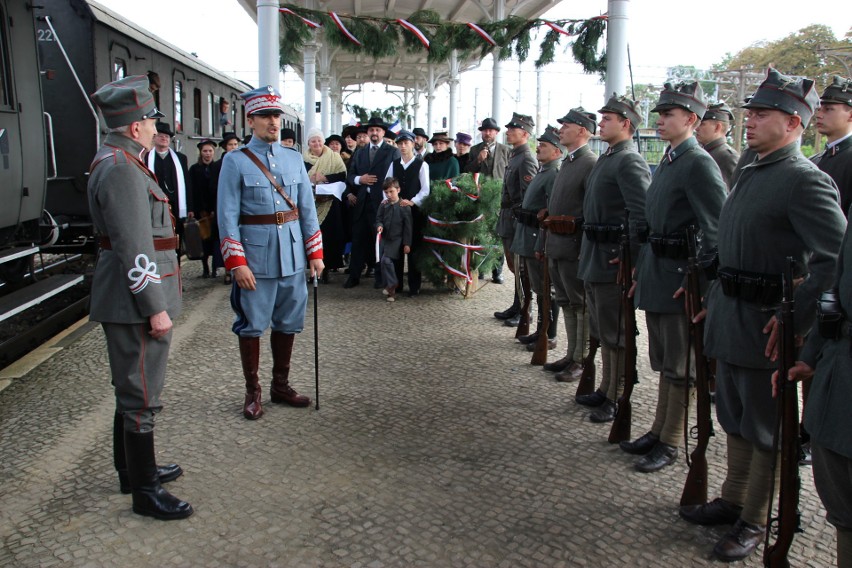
{"x":192,"y":242}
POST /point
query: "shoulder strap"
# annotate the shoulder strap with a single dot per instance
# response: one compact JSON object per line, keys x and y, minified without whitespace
{"x":269,"y":176}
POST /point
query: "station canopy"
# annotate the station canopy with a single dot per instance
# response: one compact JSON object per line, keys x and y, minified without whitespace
{"x":407,"y":70}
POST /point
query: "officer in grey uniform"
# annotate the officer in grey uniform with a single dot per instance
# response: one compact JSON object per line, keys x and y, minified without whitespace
{"x":617,"y":183}
{"x":711,"y":134}
{"x":686,"y":191}
{"x":528,"y":243}
{"x":834,"y":121}
{"x":781,"y":206}
{"x":564,"y":225}
{"x":270,"y":235}
{"x":136,"y":288}
{"x":521,"y":168}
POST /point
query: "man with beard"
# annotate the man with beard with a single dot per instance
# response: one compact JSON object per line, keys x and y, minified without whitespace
{"x":420,"y":140}
{"x":367,"y":171}
{"x":270,"y":234}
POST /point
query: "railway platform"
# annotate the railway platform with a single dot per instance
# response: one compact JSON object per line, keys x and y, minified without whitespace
{"x":436,"y":444}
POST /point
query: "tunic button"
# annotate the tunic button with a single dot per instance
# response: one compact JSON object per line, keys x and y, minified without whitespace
{"x":272,"y":165}
{"x":277,"y":203}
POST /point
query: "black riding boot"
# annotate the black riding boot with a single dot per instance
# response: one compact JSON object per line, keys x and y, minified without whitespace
{"x":166,"y":473}
{"x":149,"y":497}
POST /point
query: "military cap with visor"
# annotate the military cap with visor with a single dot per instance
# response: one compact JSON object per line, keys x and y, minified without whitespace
{"x":623,"y":107}
{"x":839,"y":92}
{"x":551,"y":136}
{"x":720,"y":112}
{"x":404,"y":135}
{"x":686,"y":95}
{"x":787,"y":93}
{"x":522,"y":121}
{"x":263,"y":101}
{"x":581,"y":117}
{"x":125,"y":101}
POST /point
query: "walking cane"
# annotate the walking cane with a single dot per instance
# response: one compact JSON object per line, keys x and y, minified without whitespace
{"x":316,"y":343}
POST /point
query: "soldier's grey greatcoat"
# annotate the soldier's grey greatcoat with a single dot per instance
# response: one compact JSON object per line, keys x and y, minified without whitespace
{"x":566,"y":198}
{"x":618,"y":181}
{"x":725,"y":157}
{"x":494,"y":165}
{"x":132,"y":280}
{"x":519,"y":173}
{"x":686,"y":189}
{"x":837,"y":162}
{"x":528,"y":239}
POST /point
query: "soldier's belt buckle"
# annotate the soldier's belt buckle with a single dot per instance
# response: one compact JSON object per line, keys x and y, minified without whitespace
{"x":279,"y":218}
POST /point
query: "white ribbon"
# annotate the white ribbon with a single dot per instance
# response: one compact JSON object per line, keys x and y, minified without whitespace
{"x":181,"y":188}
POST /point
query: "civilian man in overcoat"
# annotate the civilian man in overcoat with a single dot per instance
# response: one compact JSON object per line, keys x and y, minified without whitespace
{"x":136,"y":288}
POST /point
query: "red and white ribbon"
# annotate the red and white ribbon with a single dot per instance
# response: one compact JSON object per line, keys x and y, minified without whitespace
{"x":440,"y":223}
{"x":455,"y":189}
{"x":343,"y":29}
{"x":482,"y":33}
{"x":476,"y":182}
{"x":559,"y":29}
{"x":415,"y":30}
{"x":378,"y":247}
{"x":309,"y":23}
{"x":464,"y":272}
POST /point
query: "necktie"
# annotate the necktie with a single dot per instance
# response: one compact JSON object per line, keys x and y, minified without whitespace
{"x":373,"y":150}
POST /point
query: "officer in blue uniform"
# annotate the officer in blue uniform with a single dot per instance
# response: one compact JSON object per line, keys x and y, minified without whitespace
{"x":270,"y":233}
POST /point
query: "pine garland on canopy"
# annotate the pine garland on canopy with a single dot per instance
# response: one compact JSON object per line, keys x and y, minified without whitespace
{"x":460,"y":215}
{"x":385,"y":37}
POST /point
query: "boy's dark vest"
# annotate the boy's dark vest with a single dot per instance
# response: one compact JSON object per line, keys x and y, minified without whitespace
{"x":409,"y":179}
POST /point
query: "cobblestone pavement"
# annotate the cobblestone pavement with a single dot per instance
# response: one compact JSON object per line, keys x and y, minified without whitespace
{"x":436,"y":444}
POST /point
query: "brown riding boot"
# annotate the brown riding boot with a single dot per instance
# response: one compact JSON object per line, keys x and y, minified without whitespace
{"x":281,"y":391}
{"x":250,"y":356}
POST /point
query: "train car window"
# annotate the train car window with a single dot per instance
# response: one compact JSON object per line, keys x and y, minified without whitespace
{"x":196,"y":112}
{"x":211,"y":122}
{"x":243,"y":120}
{"x":5,"y":82}
{"x":178,"y":106}
{"x":119,"y":69}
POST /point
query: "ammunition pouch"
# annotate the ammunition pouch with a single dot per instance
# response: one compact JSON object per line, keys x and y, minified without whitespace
{"x":754,"y":287}
{"x":669,"y":246}
{"x":603,"y":233}
{"x":830,"y":316}
{"x":563,"y":224}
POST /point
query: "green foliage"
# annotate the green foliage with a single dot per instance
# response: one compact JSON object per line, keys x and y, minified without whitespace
{"x":389,"y":114}
{"x":384,"y":37}
{"x":447,"y":205}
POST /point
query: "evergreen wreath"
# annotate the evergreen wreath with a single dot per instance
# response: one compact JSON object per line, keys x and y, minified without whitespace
{"x":385,"y":37}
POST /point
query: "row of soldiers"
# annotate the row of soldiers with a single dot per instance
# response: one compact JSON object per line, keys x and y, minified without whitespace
{"x":565,"y":214}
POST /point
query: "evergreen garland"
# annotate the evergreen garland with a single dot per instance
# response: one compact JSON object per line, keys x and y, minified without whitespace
{"x":447,"y":205}
{"x":384,"y":37}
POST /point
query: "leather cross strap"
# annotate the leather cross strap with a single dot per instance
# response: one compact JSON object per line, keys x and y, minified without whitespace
{"x":269,"y":176}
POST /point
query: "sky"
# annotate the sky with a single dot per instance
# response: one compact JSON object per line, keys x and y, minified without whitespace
{"x":662,"y":34}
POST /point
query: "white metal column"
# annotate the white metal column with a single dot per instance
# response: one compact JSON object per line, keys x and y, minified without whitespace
{"x":616,"y":48}
{"x":268,"y":42}
{"x":454,"y":93}
{"x":497,"y":69}
{"x":310,"y":78}
{"x":415,"y":108}
{"x":430,"y":98}
{"x":325,"y":87}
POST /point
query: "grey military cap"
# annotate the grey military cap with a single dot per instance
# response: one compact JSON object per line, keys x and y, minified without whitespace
{"x":687,"y":95}
{"x":840,"y":92}
{"x":581,"y":116}
{"x":551,"y":136}
{"x":623,"y":107}
{"x":720,"y":112}
{"x":522,"y":121}
{"x":787,"y":93}
{"x":125,"y":101}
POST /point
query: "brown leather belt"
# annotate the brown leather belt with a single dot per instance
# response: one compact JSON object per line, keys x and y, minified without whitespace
{"x":165,"y":243}
{"x":563,"y":224}
{"x":279,"y":218}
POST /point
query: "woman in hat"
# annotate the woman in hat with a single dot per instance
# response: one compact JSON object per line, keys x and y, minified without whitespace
{"x":203,"y":203}
{"x":463,"y":141}
{"x":326,"y":166}
{"x":442,"y":163}
{"x":230,"y":141}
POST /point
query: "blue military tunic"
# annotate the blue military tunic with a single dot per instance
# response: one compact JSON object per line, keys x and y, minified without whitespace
{"x":276,"y":253}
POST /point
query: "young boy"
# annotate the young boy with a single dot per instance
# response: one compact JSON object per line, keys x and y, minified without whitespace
{"x":393,"y":223}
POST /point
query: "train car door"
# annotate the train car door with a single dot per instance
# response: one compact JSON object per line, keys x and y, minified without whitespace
{"x":11,"y":161}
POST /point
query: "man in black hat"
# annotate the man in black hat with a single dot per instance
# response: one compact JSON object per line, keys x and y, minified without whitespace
{"x":135,"y":289}
{"x":528,"y":243}
{"x":288,"y":138}
{"x":564,"y":224}
{"x":782,"y":206}
{"x":834,"y":121}
{"x":367,"y":171}
{"x":521,"y":168}
{"x":711,"y":134}
{"x":686,"y":191}
{"x":421,"y":138}
{"x":172,"y":173}
{"x":617,"y":183}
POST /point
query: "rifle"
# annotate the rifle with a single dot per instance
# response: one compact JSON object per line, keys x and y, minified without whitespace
{"x":522,"y":286}
{"x":539,"y":356}
{"x":695,"y":488}
{"x":786,"y":524}
{"x":620,"y":430}
{"x":587,"y":379}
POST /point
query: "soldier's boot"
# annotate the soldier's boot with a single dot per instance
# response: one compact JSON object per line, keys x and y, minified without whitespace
{"x":553,"y":320}
{"x":250,"y":357}
{"x":205,"y":269}
{"x":166,"y":473}
{"x":149,"y":497}
{"x":533,"y":337}
{"x":511,"y":312}
{"x":281,"y":391}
